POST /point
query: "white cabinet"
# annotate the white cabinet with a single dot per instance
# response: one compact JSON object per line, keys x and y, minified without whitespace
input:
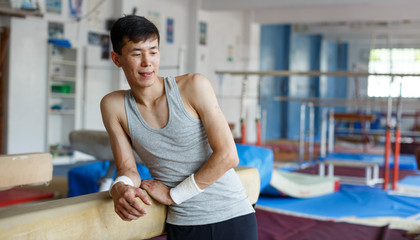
{"x":61,"y":106}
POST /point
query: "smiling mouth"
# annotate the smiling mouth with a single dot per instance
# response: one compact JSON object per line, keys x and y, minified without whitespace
{"x":146,"y":74}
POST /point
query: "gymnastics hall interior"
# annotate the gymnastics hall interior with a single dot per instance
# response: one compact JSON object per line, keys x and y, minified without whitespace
{"x":320,"y":97}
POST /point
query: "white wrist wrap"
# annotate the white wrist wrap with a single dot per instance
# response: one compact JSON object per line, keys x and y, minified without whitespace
{"x":123,"y":179}
{"x":185,"y":190}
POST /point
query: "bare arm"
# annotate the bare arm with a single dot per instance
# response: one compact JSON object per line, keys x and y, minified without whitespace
{"x":224,"y":157}
{"x":124,"y":196}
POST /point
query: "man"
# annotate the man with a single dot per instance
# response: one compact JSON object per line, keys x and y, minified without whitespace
{"x":178,"y":130}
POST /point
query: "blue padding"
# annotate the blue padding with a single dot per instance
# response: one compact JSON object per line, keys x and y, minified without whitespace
{"x":259,"y":158}
{"x":83,"y":179}
{"x":406,"y":161}
{"x":357,"y":201}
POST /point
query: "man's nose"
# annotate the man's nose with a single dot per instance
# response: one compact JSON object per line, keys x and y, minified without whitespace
{"x":145,"y":61}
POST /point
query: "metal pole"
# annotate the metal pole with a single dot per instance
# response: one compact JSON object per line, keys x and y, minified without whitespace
{"x":388,"y":126}
{"x":331,"y":131}
{"x":323,"y":147}
{"x":311,"y":131}
{"x":397,"y":143}
{"x":302,"y":133}
{"x":243,"y":110}
{"x":263,"y":126}
{"x":258,"y":114}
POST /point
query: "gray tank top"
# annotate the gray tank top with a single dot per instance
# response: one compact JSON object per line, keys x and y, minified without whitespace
{"x":178,"y":150}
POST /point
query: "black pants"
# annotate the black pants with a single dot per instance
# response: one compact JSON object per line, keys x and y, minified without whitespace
{"x":240,"y":228}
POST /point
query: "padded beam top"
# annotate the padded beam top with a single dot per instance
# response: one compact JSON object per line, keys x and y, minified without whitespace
{"x":95,"y":143}
{"x":92,"y":142}
{"x":22,"y":169}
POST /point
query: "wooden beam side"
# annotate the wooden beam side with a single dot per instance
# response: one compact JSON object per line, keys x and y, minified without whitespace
{"x":92,"y":216}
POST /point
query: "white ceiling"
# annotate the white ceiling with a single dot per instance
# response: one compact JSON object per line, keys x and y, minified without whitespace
{"x":342,"y":19}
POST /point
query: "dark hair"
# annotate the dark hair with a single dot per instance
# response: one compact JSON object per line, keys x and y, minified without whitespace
{"x":135,"y":28}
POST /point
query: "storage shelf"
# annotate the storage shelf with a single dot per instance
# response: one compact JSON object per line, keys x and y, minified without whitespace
{"x":63,"y":95}
{"x":63,"y":62}
{"x":63,"y":79}
{"x":7,"y":11}
{"x":62,"y":112}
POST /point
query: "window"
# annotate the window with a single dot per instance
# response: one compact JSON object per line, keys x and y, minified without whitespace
{"x":403,"y":61}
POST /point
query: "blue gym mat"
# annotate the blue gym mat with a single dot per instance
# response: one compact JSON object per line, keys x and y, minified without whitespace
{"x":411,"y":181}
{"x":350,"y":201}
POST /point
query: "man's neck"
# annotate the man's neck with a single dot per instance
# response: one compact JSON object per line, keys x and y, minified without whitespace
{"x":149,"y":95}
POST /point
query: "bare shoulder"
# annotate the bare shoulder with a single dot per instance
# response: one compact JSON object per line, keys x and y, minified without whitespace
{"x":113,"y":103}
{"x":197,"y":92}
{"x":113,"y":97}
{"x":193,"y":83}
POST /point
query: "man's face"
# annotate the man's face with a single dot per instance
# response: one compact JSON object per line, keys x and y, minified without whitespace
{"x":139,"y":61}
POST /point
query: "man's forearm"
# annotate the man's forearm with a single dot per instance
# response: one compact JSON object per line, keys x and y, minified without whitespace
{"x":215,"y":167}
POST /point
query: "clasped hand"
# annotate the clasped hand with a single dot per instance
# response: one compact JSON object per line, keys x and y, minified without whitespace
{"x":157,"y":190}
{"x":128,"y":207}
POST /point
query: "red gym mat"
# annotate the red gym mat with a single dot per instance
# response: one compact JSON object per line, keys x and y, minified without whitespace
{"x":20,"y":195}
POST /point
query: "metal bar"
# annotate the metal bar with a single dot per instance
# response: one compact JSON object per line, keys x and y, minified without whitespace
{"x":410,"y":103}
{"x":317,"y":73}
{"x":377,"y":132}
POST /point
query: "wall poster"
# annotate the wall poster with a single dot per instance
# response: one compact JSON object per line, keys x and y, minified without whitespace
{"x":53,"y":6}
{"x":170,"y":30}
{"x":75,"y":7}
{"x":203,"y":33}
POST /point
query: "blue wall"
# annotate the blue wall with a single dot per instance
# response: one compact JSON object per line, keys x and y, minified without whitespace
{"x":305,"y":56}
{"x":283,"y":50}
{"x":274,"y":55}
{"x":332,"y":86}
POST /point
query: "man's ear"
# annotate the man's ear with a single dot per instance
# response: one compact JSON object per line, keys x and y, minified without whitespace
{"x":115,"y":58}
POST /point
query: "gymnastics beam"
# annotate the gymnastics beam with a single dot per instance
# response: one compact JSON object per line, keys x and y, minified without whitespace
{"x":92,"y":216}
{"x":22,"y":169}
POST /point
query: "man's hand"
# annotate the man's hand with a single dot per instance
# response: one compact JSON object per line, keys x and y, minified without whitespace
{"x":125,"y":203}
{"x":157,"y":190}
